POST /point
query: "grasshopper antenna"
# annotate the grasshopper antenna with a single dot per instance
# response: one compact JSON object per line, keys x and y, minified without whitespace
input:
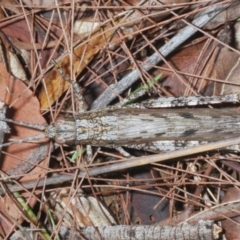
{"x":24,"y":140}
{"x":30,"y":125}
{"x":28,"y":139}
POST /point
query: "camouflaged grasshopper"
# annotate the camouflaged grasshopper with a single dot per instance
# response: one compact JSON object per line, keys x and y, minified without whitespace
{"x":141,"y":126}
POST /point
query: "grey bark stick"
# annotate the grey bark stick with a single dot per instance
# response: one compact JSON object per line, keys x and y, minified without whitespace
{"x":203,"y":230}
{"x":206,"y":230}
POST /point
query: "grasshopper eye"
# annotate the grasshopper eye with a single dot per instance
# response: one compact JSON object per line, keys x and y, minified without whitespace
{"x":60,"y":140}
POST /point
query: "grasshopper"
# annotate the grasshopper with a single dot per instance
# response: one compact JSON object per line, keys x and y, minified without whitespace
{"x":141,"y":126}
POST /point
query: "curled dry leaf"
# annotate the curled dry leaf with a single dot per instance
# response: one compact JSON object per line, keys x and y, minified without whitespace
{"x":25,"y":107}
{"x":9,"y":57}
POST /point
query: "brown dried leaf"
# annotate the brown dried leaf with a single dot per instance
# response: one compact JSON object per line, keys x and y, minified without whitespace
{"x":186,"y":61}
{"x":216,"y":61}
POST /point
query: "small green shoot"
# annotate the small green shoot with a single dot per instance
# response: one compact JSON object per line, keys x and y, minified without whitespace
{"x":146,"y":86}
{"x":76,"y":155}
